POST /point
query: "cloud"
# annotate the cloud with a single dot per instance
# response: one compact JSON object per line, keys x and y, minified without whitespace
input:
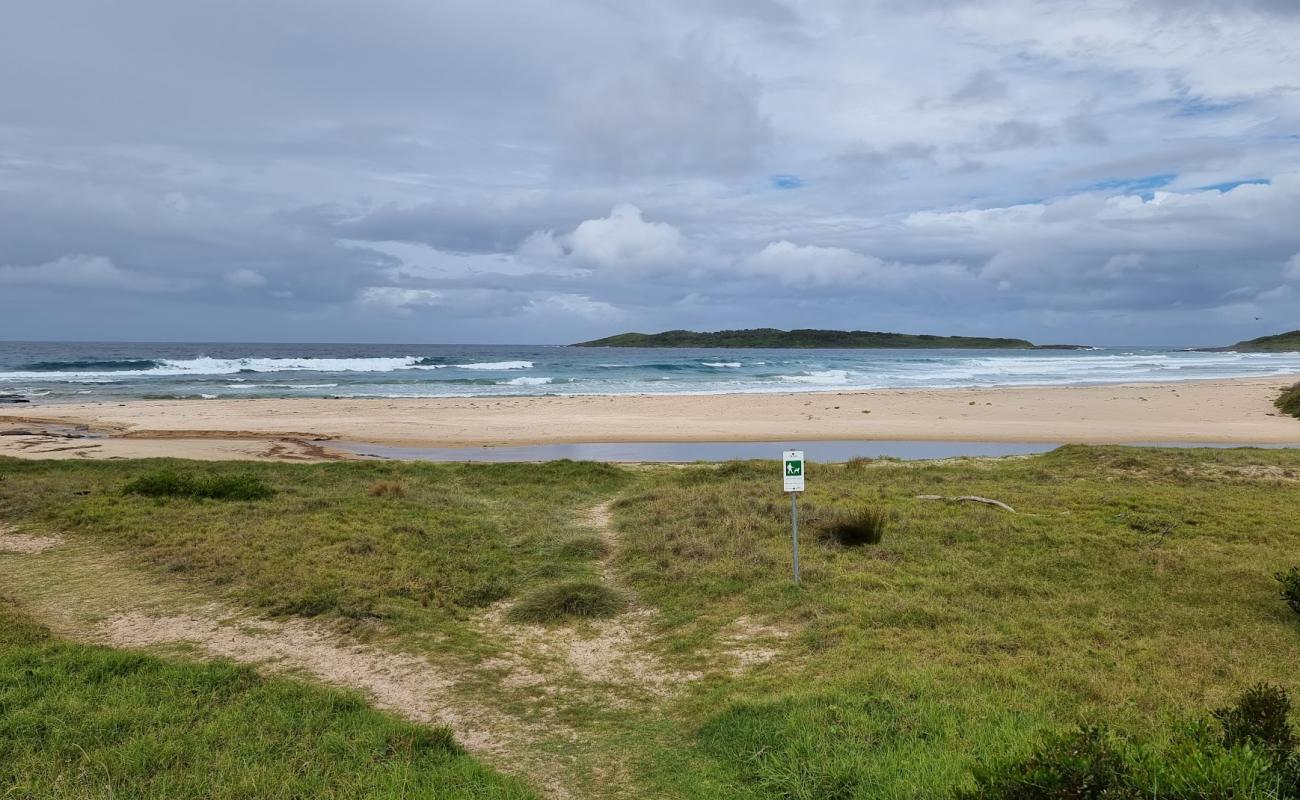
{"x":245,"y":278}
{"x":625,"y":240}
{"x":660,"y":114}
{"x":79,"y":273}
{"x":510,"y":171}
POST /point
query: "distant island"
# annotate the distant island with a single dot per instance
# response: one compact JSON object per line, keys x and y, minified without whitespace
{"x":809,"y":338}
{"x":1277,"y":343}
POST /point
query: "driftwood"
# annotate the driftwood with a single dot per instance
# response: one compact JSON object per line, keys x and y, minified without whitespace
{"x":967,"y":498}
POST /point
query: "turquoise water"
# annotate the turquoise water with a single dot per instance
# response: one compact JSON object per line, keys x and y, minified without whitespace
{"x":76,"y":372}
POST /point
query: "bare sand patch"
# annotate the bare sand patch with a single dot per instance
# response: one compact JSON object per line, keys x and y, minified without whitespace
{"x":13,"y":542}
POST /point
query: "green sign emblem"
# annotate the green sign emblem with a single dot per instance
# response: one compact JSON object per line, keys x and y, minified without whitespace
{"x":793,"y":468}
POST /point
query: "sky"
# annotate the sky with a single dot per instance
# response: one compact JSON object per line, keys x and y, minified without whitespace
{"x":1109,"y":172}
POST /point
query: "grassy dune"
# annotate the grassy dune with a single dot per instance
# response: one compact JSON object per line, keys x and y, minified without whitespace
{"x":91,"y":722}
{"x":1133,"y":587}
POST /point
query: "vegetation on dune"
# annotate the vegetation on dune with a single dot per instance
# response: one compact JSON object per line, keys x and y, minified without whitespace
{"x":1289,"y":401}
{"x":173,"y":483}
{"x":455,"y":537}
{"x":1133,"y":589}
{"x":852,"y":526}
{"x":1278,"y":342}
{"x":773,"y":337}
{"x":588,"y":599}
{"x":91,"y":722}
{"x":1290,"y":581}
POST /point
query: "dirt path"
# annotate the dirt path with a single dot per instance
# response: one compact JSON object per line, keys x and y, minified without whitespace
{"x":521,"y":709}
{"x":88,"y":594}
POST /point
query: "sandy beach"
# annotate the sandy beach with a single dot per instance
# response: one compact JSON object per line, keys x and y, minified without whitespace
{"x":1218,"y":411}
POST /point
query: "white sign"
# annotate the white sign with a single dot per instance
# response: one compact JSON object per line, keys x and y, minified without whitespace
{"x":792,"y":470}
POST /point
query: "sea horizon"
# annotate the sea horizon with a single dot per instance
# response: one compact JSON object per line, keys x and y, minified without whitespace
{"x":61,"y":372}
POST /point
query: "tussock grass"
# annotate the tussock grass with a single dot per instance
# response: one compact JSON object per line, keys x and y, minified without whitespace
{"x":567,"y":600}
{"x":188,"y":484}
{"x":91,"y":722}
{"x":1289,"y":401}
{"x":853,"y":527}
{"x":387,"y":488}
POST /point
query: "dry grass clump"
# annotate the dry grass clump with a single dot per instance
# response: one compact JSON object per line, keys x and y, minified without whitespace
{"x":565,"y":600}
{"x":387,"y":488}
{"x":853,"y":526}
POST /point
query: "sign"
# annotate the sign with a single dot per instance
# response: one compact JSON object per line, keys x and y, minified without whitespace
{"x":792,"y":463}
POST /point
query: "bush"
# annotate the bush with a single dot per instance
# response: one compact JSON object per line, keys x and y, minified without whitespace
{"x":1289,"y":401}
{"x":853,"y":527}
{"x":169,"y":483}
{"x":1291,"y":587}
{"x":1087,"y":764}
{"x":569,"y":599}
{"x":1259,"y":719}
{"x":1254,"y":756}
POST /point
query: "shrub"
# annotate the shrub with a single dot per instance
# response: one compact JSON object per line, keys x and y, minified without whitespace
{"x":569,"y":599}
{"x":1087,"y":764}
{"x":387,"y":489}
{"x":1259,"y":719}
{"x":853,"y":527}
{"x":1289,"y":401}
{"x":169,"y":483}
{"x":1290,"y":581}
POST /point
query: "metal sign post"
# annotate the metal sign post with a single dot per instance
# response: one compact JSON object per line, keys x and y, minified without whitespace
{"x":793,"y":473}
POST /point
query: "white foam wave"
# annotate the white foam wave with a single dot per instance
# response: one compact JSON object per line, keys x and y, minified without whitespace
{"x":721,"y":364}
{"x":497,"y":365}
{"x":825,"y":377}
{"x":529,"y":381}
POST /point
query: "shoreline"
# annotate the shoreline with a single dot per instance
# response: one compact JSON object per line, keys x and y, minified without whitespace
{"x":1218,"y":411}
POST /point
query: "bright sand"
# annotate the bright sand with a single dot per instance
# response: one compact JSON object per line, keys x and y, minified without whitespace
{"x":1216,"y":411}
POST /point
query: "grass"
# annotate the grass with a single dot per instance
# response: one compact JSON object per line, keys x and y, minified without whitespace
{"x":1133,"y":590}
{"x":92,"y":722}
{"x":327,"y":544}
{"x":586,"y":599}
{"x":174,"y":483}
{"x":1289,"y":401}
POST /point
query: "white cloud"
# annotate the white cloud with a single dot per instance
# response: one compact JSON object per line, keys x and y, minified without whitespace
{"x":624,"y":240}
{"x":573,"y":306}
{"x":809,"y":264}
{"x":1293,"y":267}
{"x":399,"y":298}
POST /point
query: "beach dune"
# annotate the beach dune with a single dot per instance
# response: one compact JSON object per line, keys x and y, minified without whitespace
{"x":1214,"y":411}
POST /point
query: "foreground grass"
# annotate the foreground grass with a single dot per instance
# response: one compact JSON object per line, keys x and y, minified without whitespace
{"x":91,"y":722}
{"x":1135,"y":588}
{"x":404,"y":545}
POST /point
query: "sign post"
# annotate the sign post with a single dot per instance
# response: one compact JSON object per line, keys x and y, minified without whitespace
{"x":792,"y":472}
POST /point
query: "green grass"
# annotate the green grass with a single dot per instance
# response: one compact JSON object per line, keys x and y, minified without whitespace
{"x":1289,"y":401}
{"x":453,"y":538}
{"x":560,"y":601}
{"x":174,"y":483}
{"x":91,"y":722}
{"x":1134,"y":589}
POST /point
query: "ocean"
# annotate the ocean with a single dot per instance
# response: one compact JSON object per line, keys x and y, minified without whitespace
{"x":54,"y":372}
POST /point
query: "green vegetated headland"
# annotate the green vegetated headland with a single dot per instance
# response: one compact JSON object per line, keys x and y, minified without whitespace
{"x":1132,"y":627}
{"x":1277,"y":343}
{"x":772,"y":337}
